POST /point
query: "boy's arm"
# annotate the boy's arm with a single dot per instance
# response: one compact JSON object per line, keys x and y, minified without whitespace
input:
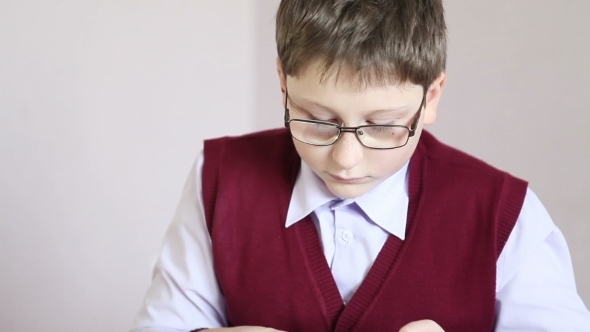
{"x":184,"y":294}
{"x":536,"y":289}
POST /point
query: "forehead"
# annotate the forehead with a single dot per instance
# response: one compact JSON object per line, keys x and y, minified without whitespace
{"x":343,"y":73}
{"x":343,"y":90}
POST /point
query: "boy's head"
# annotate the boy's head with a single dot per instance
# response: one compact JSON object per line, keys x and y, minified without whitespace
{"x":360,"y":62}
{"x":383,"y":42}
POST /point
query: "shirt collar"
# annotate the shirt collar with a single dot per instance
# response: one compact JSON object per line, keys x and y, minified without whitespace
{"x":310,"y":192}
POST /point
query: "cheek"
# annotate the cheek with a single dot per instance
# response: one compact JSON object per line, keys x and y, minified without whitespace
{"x":314,"y":156}
{"x":386,"y":163}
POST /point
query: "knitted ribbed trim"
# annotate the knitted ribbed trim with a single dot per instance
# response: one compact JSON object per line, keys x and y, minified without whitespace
{"x":511,"y":201}
{"x":213,"y":150}
{"x":319,"y":271}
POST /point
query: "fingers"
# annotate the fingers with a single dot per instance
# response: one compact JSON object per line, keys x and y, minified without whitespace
{"x":426,"y":325}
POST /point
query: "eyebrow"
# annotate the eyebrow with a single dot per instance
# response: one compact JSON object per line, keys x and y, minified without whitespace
{"x":398,"y":110}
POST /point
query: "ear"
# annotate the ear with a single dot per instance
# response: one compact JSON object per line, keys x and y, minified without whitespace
{"x":282,"y":79}
{"x":433,"y":96}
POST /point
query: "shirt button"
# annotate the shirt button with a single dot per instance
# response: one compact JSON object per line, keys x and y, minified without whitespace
{"x":347,"y":236}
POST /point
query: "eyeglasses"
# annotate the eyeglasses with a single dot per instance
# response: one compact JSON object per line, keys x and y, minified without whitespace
{"x":323,"y":133}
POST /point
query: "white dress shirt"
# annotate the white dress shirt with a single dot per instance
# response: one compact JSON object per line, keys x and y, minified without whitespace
{"x":535,"y":287}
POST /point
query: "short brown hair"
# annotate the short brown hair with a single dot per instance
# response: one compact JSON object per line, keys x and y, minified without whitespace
{"x":379,"y":41}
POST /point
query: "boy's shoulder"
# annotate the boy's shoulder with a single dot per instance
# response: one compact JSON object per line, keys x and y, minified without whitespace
{"x":261,"y":139}
{"x":445,"y":155}
{"x":262,"y":134}
{"x":261,"y":150}
{"x":456,"y":166}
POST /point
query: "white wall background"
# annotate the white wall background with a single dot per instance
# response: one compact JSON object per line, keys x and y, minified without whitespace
{"x":104,"y":105}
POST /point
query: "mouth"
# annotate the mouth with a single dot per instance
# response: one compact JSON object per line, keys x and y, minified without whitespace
{"x":346,"y":180}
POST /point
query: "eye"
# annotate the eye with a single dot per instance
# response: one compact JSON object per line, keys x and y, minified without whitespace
{"x":323,"y":119}
{"x":306,"y":114}
{"x":381,"y":122}
{"x":311,"y":116}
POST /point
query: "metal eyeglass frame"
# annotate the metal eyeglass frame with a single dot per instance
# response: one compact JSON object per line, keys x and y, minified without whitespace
{"x":355,"y":130}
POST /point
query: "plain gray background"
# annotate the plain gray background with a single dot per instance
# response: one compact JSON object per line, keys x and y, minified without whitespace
{"x":104,"y":106}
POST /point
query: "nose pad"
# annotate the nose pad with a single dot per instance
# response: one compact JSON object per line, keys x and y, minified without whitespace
{"x":347,"y":151}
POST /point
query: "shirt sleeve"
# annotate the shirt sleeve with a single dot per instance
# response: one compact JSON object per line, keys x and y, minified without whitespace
{"x":184,"y":293}
{"x":536,"y":290}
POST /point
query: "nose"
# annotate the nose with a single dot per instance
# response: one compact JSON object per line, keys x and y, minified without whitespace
{"x":347,"y":152}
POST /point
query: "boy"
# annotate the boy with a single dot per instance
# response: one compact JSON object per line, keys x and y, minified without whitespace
{"x":353,"y":217}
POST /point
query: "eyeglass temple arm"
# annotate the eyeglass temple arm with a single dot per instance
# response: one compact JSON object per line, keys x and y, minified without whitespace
{"x":414,"y":125}
{"x":286,"y":118}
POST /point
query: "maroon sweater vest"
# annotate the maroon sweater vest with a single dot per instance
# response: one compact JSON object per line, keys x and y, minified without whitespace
{"x":460,"y":214}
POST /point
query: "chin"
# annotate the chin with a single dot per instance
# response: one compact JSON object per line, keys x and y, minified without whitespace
{"x":348,"y":190}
